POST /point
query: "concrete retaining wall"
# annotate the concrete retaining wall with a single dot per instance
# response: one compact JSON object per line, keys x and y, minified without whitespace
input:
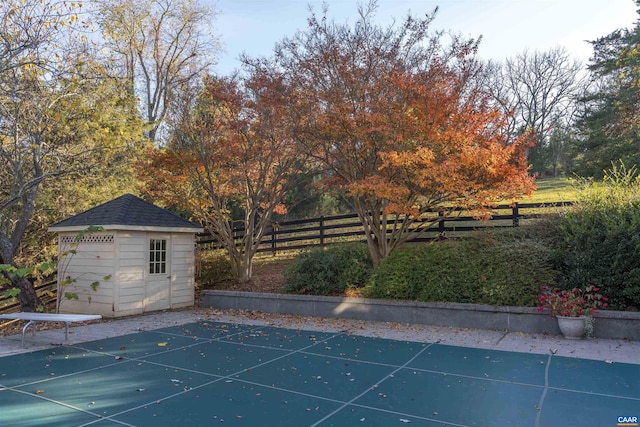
{"x":609,"y":324}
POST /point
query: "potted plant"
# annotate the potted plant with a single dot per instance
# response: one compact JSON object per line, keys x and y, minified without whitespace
{"x":573,"y":308}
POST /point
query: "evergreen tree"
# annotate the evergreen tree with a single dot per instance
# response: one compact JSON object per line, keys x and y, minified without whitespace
{"x":609,"y":126}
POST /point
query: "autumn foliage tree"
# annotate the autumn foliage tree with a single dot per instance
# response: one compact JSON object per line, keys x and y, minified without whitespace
{"x":231,"y":148}
{"x":399,"y":121}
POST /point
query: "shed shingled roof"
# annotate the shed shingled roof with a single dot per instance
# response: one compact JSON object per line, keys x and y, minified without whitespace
{"x":127,"y":210}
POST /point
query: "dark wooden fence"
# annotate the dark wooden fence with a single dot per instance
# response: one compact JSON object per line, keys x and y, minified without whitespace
{"x":298,"y":234}
{"x":46,"y":292}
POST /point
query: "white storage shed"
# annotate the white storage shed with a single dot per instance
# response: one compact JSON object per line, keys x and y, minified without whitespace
{"x":146,"y":252}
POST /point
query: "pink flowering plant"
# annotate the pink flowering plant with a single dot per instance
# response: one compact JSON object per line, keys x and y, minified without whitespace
{"x":571,"y":303}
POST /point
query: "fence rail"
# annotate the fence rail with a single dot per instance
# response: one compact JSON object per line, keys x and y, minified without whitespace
{"x":299,"y":234}
{"x":46,"y":292}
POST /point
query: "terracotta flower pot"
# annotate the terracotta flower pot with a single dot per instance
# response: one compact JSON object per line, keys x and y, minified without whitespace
{"x":572,"y":328}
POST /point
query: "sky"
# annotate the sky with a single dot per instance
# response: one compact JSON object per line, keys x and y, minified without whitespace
{"x":507,"y":27}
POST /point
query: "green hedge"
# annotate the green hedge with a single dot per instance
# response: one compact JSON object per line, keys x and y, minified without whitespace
{"x":496,"y":267}
{"x":599,"y":240}
{"x":330,"y":270}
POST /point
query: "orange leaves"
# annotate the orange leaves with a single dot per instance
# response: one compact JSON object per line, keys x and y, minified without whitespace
{"x":399,"y":119}
{"x":164,"y":176}
{"x":232,"y":147}
{"x":280,"y":209}
{"x":421,"y":155}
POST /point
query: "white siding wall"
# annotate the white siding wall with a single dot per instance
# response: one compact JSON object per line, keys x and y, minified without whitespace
{"x":132,"y":249}
{"x":94,"y":259}
{"x":124,"y":258}
{"x":182,"y":277}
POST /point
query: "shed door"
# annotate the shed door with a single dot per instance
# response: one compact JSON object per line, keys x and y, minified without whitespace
{"x":158,"y":284}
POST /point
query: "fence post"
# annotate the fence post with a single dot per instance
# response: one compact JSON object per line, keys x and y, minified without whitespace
{"x":274,"y":239}
{"x":322,"y":231}
{"x":441,"y":225}
{"x":515,"y":214}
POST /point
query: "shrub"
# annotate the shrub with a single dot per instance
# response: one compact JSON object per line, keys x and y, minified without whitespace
{"x":330,"y":270}
{"x":496,"y":267}
{"x":215,"y":268}
{"x":599,"y":241}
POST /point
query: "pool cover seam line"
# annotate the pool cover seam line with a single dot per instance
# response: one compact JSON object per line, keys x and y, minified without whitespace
{"x":199,"y":341}
{"x":543,"y":395}
{"x":107,"y":418}
{"x":345,"y":404}
{"x":192,"y":371}
{"x":419,"y":417}
{"x":52,"y":378}
{"x":162,"y":332}
{"x":474,"y":377}
{"x":266,"y":347}
{"x":57,"y":402}
{"x":592,"y":393}
{"x":373,"y":387}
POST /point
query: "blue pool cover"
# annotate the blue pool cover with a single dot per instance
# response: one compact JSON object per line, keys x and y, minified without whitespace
{"x":210,"y":373}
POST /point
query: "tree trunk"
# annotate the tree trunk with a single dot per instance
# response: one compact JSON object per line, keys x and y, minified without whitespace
{"x":374,"y":230}
{"x":246,"y":271}
{"x":374,"y":249}
{"x":240,"y":266}
{"x":27,"y":296}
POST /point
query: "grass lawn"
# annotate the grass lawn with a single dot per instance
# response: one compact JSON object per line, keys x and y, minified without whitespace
{"x":552,"y":190}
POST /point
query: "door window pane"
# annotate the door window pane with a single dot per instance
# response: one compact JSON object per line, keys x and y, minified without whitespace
{"x":157,"y":256}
